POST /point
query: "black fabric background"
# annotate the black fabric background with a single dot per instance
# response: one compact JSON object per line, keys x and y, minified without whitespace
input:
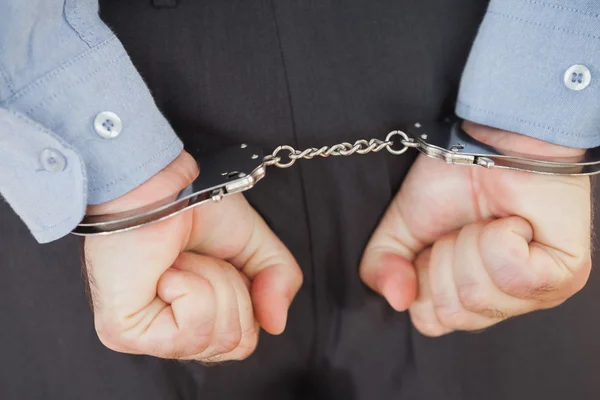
{"x":304,"y":73}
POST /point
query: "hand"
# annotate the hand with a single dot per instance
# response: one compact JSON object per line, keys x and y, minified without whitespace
{"x":463,"y":248}
{"x":195,"y":286}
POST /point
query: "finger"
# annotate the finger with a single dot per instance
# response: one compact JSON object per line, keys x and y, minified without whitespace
{"x":238,"y":234}
{"x":476,"y":291}
{"x":386,"y":266}
{"x":525,"y":269}
{"x":196,"y":314}
{"x":234,"y":332}
{"x":248,"y":325}
{"x":394,"y":278}
{"x":407,"y":227}
{"x":557,"y":208}
{"x":178,"y":321}
{"x":422,"y":313}
{"x":227,"y":330}
{"x":124,"y":269}
{"x":445,"y":256}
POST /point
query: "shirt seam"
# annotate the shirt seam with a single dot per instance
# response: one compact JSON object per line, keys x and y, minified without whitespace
{"x":508,"y":16}
{"x":536,"y":124}
{"x":558,"y":7}
{"x":73,"y":17}
{"x":52,"y":74}
{"x":162,"y":151}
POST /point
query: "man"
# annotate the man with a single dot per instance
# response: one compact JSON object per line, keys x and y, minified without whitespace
{"x":460,"y":249}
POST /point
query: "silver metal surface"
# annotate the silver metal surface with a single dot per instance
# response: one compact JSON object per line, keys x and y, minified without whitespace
{"x":447,"y":141}
{"x":222,"y":174}
{"x":342,"y":149}
{"x":239,"y":169}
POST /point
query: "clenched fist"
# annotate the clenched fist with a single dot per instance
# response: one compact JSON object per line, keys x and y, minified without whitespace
{"x":463,"y":248}
{"x":195,"y":286}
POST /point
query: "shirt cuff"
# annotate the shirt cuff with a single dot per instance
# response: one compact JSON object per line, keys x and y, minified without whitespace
{"x":42,"y":177}
{"x":534,"y":69}
{"x":97,"y":112}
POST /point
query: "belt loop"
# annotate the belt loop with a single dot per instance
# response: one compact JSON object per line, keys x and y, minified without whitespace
{"x":165,"y":3}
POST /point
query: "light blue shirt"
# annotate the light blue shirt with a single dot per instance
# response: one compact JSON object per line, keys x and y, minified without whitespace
{"x":535,"y":69}
{"x":78,"y":125}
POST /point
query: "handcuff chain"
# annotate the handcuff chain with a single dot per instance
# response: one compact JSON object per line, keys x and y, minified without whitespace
{"x":361,"y":146}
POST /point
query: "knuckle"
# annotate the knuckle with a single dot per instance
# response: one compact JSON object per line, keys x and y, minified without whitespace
{"x":248,"y":346}
{"x":584,"y":268}
{"x":200,"y":343}
{"x":451,"y":315}
{"x":581,"y":275}
{"x":110,"y":333}
{"x":585,"y":264}
{"x":158,"y":349}
{"x":474,"y":297}
{"x":547,"y":284}
{"x":543,"y":289}
{"x":227,"y":341}
{"x":449,"y":311}
{"x":522,"y":282}
{"x":429,"y":328}
{"x":511,"y":279}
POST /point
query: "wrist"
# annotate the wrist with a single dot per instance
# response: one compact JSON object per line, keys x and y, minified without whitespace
{"x":518,"y":143}
{"x":171,"y":180}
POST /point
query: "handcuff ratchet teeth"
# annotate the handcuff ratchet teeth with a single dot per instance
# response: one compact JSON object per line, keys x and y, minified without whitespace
{"x":447,"y":141}
{"x":240,"y":168}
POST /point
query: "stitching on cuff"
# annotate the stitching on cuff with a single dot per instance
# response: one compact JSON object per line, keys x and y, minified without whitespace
{"x":52,"y":74}
{"x":45,"y":228}
{"x":76,"y":83}
{"x":557,"y":7}
{"x":82,"y":167}
{"x":508,"y":16}
{"x":139,"y":167}
{"x":524,"y":121}
{"x":5,"y":78}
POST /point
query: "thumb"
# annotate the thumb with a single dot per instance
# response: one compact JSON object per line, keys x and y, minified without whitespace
{"x":386,"y":266}
{"x":232,"y":230}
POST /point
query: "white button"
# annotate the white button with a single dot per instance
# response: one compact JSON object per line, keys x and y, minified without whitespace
{"x":52,"y":160}
{"x":108,"y":125}
{"x":577,"y":77}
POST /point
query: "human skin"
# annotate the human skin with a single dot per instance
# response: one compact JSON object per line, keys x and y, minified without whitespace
{"x":460,"y":248}
{"x":463,"y":248}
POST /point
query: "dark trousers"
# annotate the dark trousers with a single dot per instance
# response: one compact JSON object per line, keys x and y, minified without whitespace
{"x":304,"y":73}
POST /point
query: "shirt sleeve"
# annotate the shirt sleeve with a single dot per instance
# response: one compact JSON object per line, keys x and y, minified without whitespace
{"x":78,"y":125}
{"x":534,"y":69}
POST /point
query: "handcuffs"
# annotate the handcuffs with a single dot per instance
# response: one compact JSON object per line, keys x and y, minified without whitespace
{"x":240,"y":168}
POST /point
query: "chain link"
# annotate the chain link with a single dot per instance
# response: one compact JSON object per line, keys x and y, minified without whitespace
{"x":361,"y":146}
